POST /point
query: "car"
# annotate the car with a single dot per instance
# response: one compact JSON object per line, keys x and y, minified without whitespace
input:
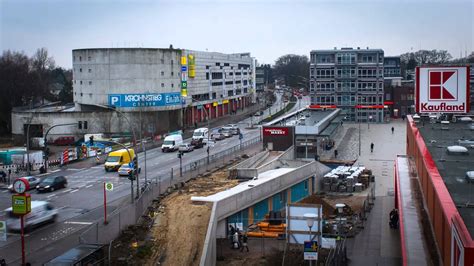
{"x":259,"y":113}
{"x":217,"y":136}
{"x":471,"y":126}
{"x":198,"y":143}
{"x":469,"y":143}
{"x":125,"y":170}
{"x":51,"y":183}
{"x":470,"y":176}
{"x":33,"y":181}
{"x":186,"y":147}
{"x":41,"y":212}
{"x":227,"y":132}
{"x":234,"y":128}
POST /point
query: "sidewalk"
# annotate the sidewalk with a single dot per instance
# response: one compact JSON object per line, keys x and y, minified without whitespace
{"x":376,"y":244}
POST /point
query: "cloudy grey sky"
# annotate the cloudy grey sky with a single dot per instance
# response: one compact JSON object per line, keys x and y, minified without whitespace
{"x":266,"y":28}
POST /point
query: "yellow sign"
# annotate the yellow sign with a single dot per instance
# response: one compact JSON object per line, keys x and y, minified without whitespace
{"x":225,"y":101}
{"x":192,"y":63}
{"x":215,"y":104}
{"x":184,"y":92}
{"x":21,"y":204}
{"x":183,"y":60}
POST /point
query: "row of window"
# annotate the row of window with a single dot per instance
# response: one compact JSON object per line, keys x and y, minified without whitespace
{"x":348,"y":100}
{"x":346,"y":58}
{"x":347,"y":84}
{"x":90,"y":83}
{"x":89,"y":58}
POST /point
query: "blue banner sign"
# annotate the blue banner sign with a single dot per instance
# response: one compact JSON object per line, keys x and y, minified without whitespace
{"x":145,"y":99}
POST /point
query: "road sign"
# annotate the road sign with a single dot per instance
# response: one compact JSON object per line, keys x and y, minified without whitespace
{"x":20,"y":185}
{"x":131,"y":165}
{"x":21,"y":204}
{"x":442,"y":89}
{"x":184,"y":84}
{"x":3,"y":231}
{"x":311,"y":250}
{"x":109,"y":186}
{"x":184,"y":68}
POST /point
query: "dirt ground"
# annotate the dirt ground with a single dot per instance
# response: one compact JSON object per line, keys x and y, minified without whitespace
{"x":356,"y":203}
{"x":181,"y":225}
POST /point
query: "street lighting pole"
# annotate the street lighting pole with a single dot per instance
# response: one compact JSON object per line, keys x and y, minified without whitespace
{"x":310,"y":218}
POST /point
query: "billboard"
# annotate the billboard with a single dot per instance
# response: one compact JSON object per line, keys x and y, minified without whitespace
{"x":145,"y":99}
{"x":275,"y":131}
{"x":442,"y":89}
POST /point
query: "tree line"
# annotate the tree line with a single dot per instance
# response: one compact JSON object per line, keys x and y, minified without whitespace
{"x":30,"y":81}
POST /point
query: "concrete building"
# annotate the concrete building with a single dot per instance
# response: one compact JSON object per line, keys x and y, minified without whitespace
{"x":447,"y":188}
{"x":392,"y":71}
{"x":262,"y":77}
{"x":157,"y":90}
{"x":400,"y":100}
{"x":351,"y":79}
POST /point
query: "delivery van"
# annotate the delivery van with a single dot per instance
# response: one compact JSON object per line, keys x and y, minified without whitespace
{"x":171,"y":143}
{"x":115,"y":159}
{"x":41,"y":212}
{"x":201,"y":134}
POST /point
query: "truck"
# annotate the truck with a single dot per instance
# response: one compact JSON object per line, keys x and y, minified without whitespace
{"x":117,"y":158}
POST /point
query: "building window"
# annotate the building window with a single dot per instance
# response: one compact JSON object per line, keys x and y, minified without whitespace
{"x":172,"y":62}
{"x":90,"y":70}
{"x":172,"y":73}
{"x":81,"y":92}
{"x":306,"y":185}
{"x":162,"y":73}
{"x":90,"y":82}
{"x":80,"y":82}
{"x":89,"y":58}
{"x":207,"y":76}
{"x":172,"y":85}
{"x":80,"y":58}
{"x":73,"y":58}
{"x":162,"y":61}
{"x":80,"y":69}
{"x":162,"y":85}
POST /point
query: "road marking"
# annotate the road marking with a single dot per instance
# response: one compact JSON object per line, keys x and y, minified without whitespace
{"x":83,"y":223}
{"x":67,"y":190}
{"x":75,"y":190}
{"x":76,"y":169}
{"x":4,"y":191}
{"x":52,"y":195}
{"x":57,"y":170}
{"x":89,"y":186}
{"x":96,"y":167}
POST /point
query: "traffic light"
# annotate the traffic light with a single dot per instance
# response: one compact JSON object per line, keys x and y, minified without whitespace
{"x":79,"y":124}
{"x":131,"y":176}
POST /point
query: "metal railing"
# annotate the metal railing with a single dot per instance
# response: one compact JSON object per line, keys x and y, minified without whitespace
{"x":130,"y":214}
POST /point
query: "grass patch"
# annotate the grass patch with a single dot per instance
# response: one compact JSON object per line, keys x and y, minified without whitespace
{"x":288,"y":107}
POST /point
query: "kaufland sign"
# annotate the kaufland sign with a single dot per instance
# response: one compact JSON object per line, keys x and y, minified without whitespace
{"x":442,"y":89}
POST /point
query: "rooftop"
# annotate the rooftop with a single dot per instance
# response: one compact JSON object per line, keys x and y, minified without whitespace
{"x":452,"y":167}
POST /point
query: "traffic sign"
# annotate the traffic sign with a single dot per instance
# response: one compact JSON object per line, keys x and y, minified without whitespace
{"x":3,"y":231}
{"x":184,"y":68}
{"x":184,"y":84}
{"x":21,"y":204}
{"x":20,"y":185}
{"x":131,"y":165}
{"x":311,"y":250}
{"x":109,"y":186}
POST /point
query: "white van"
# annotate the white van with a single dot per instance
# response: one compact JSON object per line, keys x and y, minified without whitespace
{"x":41,"y":212}
{"x":201,"y":133}
{"x":171,"y":143}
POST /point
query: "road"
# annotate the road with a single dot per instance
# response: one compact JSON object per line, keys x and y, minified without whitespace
{"x":81,"y":203}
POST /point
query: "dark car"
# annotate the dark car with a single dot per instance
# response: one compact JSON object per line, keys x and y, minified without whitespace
{"x":52,"y":183}
{"x":197,"y":143}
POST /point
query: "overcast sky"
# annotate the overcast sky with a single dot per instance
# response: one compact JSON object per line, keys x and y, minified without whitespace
{"x":267,"y":29}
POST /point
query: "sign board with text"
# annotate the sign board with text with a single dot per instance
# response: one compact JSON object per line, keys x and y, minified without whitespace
{"x":311,"y":250}
{"x":3,"y":231}
{"x":21,"y":204}
{"x":145,"y":99}
{"x":443,"y":89}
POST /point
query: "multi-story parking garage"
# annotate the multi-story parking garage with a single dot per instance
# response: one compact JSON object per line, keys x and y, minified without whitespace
{"x":160,"y":89}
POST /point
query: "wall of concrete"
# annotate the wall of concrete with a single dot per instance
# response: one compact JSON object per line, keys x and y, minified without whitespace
{"x":153,"y":123}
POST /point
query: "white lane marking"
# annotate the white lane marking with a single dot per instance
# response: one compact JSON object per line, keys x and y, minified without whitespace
{"x":75,"y":190}
{"x":4,"y":191}
{"x":50,"y":196}
{"x":89,"y":186}
{"x":67,"y":190}
{"x":57,"y":170}
{"x":96,"y":167}
{"x":83,"y":223}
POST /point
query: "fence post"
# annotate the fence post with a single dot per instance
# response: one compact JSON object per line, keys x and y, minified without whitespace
{"x":171,"y":179}
{"x":96,"y":233}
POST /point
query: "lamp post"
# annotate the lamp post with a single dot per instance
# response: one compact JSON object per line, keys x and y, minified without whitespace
{"x":310,"y":218}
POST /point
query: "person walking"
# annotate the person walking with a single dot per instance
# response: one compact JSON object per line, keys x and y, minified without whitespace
{"x":335,"y":153}
{"x":244,"y":243}
{"x":372,"y":147}
{"x":393,"y":129}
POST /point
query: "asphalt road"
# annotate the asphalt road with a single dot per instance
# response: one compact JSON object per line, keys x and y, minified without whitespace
{"x":81,"y":203}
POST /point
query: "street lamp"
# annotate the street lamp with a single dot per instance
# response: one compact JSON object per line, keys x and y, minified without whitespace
{"x":310,"y":218}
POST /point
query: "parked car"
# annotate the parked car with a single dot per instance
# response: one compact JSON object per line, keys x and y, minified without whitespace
{"x":125,"y":170}
{"x":186,"y":147}
{"x":171,"y":143}
{"x":63,"y":141}
{"x":217,"y":135}
{"x":33,"y":181}
{"x":470,"y":176}
{"x":198,"y":143}
{"x":259,"y":113}
{"x":41,"y":212}
{"x":51,"y":183}
{"x":469,"y":143}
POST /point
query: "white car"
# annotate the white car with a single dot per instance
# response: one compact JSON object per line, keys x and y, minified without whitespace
{"x":186,"y":147}
{"x":125,"y":170}
{"x":41,"y":212}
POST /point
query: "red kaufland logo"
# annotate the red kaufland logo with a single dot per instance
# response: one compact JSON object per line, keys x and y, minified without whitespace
{"x":443,"y":85}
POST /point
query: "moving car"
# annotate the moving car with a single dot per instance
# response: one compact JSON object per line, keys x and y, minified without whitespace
{"x":201,"y":134}
{"x":51,"y":183}
{"x":234,"y":128}
{"x":216,"y":135}
{"x":186,"y":147}
{"x":171,"y":143}
{"x":470,"y":176}
{"x":125,"y":170}
{"x":41,"y":212}
{"x":198,"y":143}
{"x":32,"y":181}
{"x":118,"y":158}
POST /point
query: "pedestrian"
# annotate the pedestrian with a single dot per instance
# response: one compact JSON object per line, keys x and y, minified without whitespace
{"x":195,"y":125}
{"x":9,"y":174}
{"x":235,"y":241}
{"x":372,"y":147}
{"x":393,"y":129}
{"x":335,"y":153}
{"x":231,"y":235}
{"x":244,"y":243}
